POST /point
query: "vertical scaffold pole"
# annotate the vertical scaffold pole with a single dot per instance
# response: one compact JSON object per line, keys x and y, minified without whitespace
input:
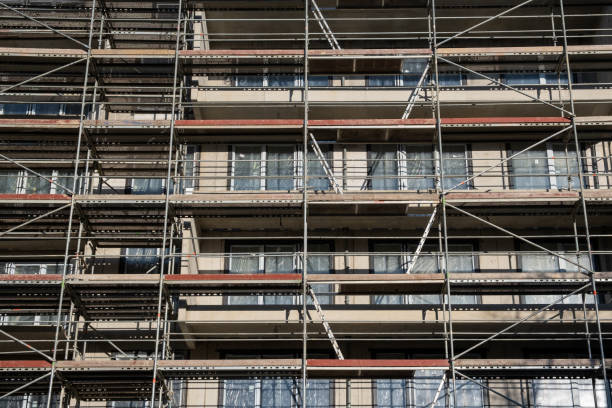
{"x":72,"y":203}
{"x":583,"y":204}
{"x":305,"y":210}
{"x":442,"y":195}
{"x":160,"y":293}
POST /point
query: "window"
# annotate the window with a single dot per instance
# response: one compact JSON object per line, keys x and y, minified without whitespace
{"x":319,"y":80}
{"x":249,"y":81}
{"x":384,"y":80}
{"x":544,"y":167}
{"x":31,"y":268}
{"x":455,"y":163}
{"x":127,"y":404}
{"x":145,"y":185}
{"x":41,"y":109}
{"x":283,"y":81}
{"x":534,"y":78}
{"x":421,"y":391}
{"x":412,"y":167}
{"x":276,"y":168}
{"x":280,"y":81}
{"x":401,"y":167}
{"x":394,"y":258}
{"x":189,"y":170}
{"x":275,"y":393}
{"x":277,"y":258}
{"x":29,"y":401}
{"x":538,"y":261}
{"x":25,"y":182}
{"x":35,"y":268}
{"x":140,"y":260}
{"x":567,"y":393}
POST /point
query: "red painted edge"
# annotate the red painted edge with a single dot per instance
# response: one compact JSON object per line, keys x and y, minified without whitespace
{"x":34,"y":197}
{"x":234,"y":277}
{"x":25,"y":364}
{"x":375,"y":363}
{"x":536,"y":119}
{"x":24,"y":277}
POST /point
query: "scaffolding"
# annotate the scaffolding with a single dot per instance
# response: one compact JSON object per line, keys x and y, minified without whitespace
{"x":130,"y":78}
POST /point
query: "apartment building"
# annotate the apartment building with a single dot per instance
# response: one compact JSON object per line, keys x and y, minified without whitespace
{"x":265,"y":203}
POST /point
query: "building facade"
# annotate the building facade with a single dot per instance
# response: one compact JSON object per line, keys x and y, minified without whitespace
{"x":318,"y":203}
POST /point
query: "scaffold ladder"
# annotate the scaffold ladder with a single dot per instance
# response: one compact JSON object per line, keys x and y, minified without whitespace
{"x":326,"y":169}
{"x":414,"y":258}
{"x":328,"y":329}
{"x":415,"y":93}
{"x":329,"y":34}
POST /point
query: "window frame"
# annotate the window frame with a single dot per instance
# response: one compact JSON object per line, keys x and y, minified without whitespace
{"x":401,"y":158}
{"x":31,"y":109}
{"x":553,"y":174}
{"x":24,"y":175}
{"x":261,"y":266}
{"x":296,"y":176}
{"x":405,"y":259}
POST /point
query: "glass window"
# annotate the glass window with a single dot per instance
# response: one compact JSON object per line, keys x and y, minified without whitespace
{"x":147,"y":186}
{"x":247,"y":167}
{"x":395,"y":258}
{"x":283,"y":81}
{"x":245,"y":259}
{"x":250,"y":80}
{"x":74,"y":109}
{"x":534,"y":78}
{"x":318,"y":80}
{"x":320,"y":264}
{"x":383,"y":167}
{"x":455,"y":166}
{"x":15,"y":109}
{"x":552,"y":79}
{"x":538,"y":261}
{"x":38,"y":185}
{"x":189,"y":172}
{"x":529,"y":170}
{"x":277,"y":393}
{"x":239,"y":393}
{"x":279,"y":259}
{"x":389,"y":261}
{"x":318,"y":394}
{"x":46,"y":109}
{"x":9,"y":181}
{"x":128,"y":404}
{"x":425,"y":386}
{"x":29,"y":401}
{"x":544,"y":167}
{"x":566,"y":167}
{"x":419,"y":168}
{"x":141,"y":260}
{"x":391,"y":393}
{"x":381,"y":80}
{"x":279,"y":168}
{"x":521,"y":79}
{"x":317,"y":179}
{"x":450,"y":79}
